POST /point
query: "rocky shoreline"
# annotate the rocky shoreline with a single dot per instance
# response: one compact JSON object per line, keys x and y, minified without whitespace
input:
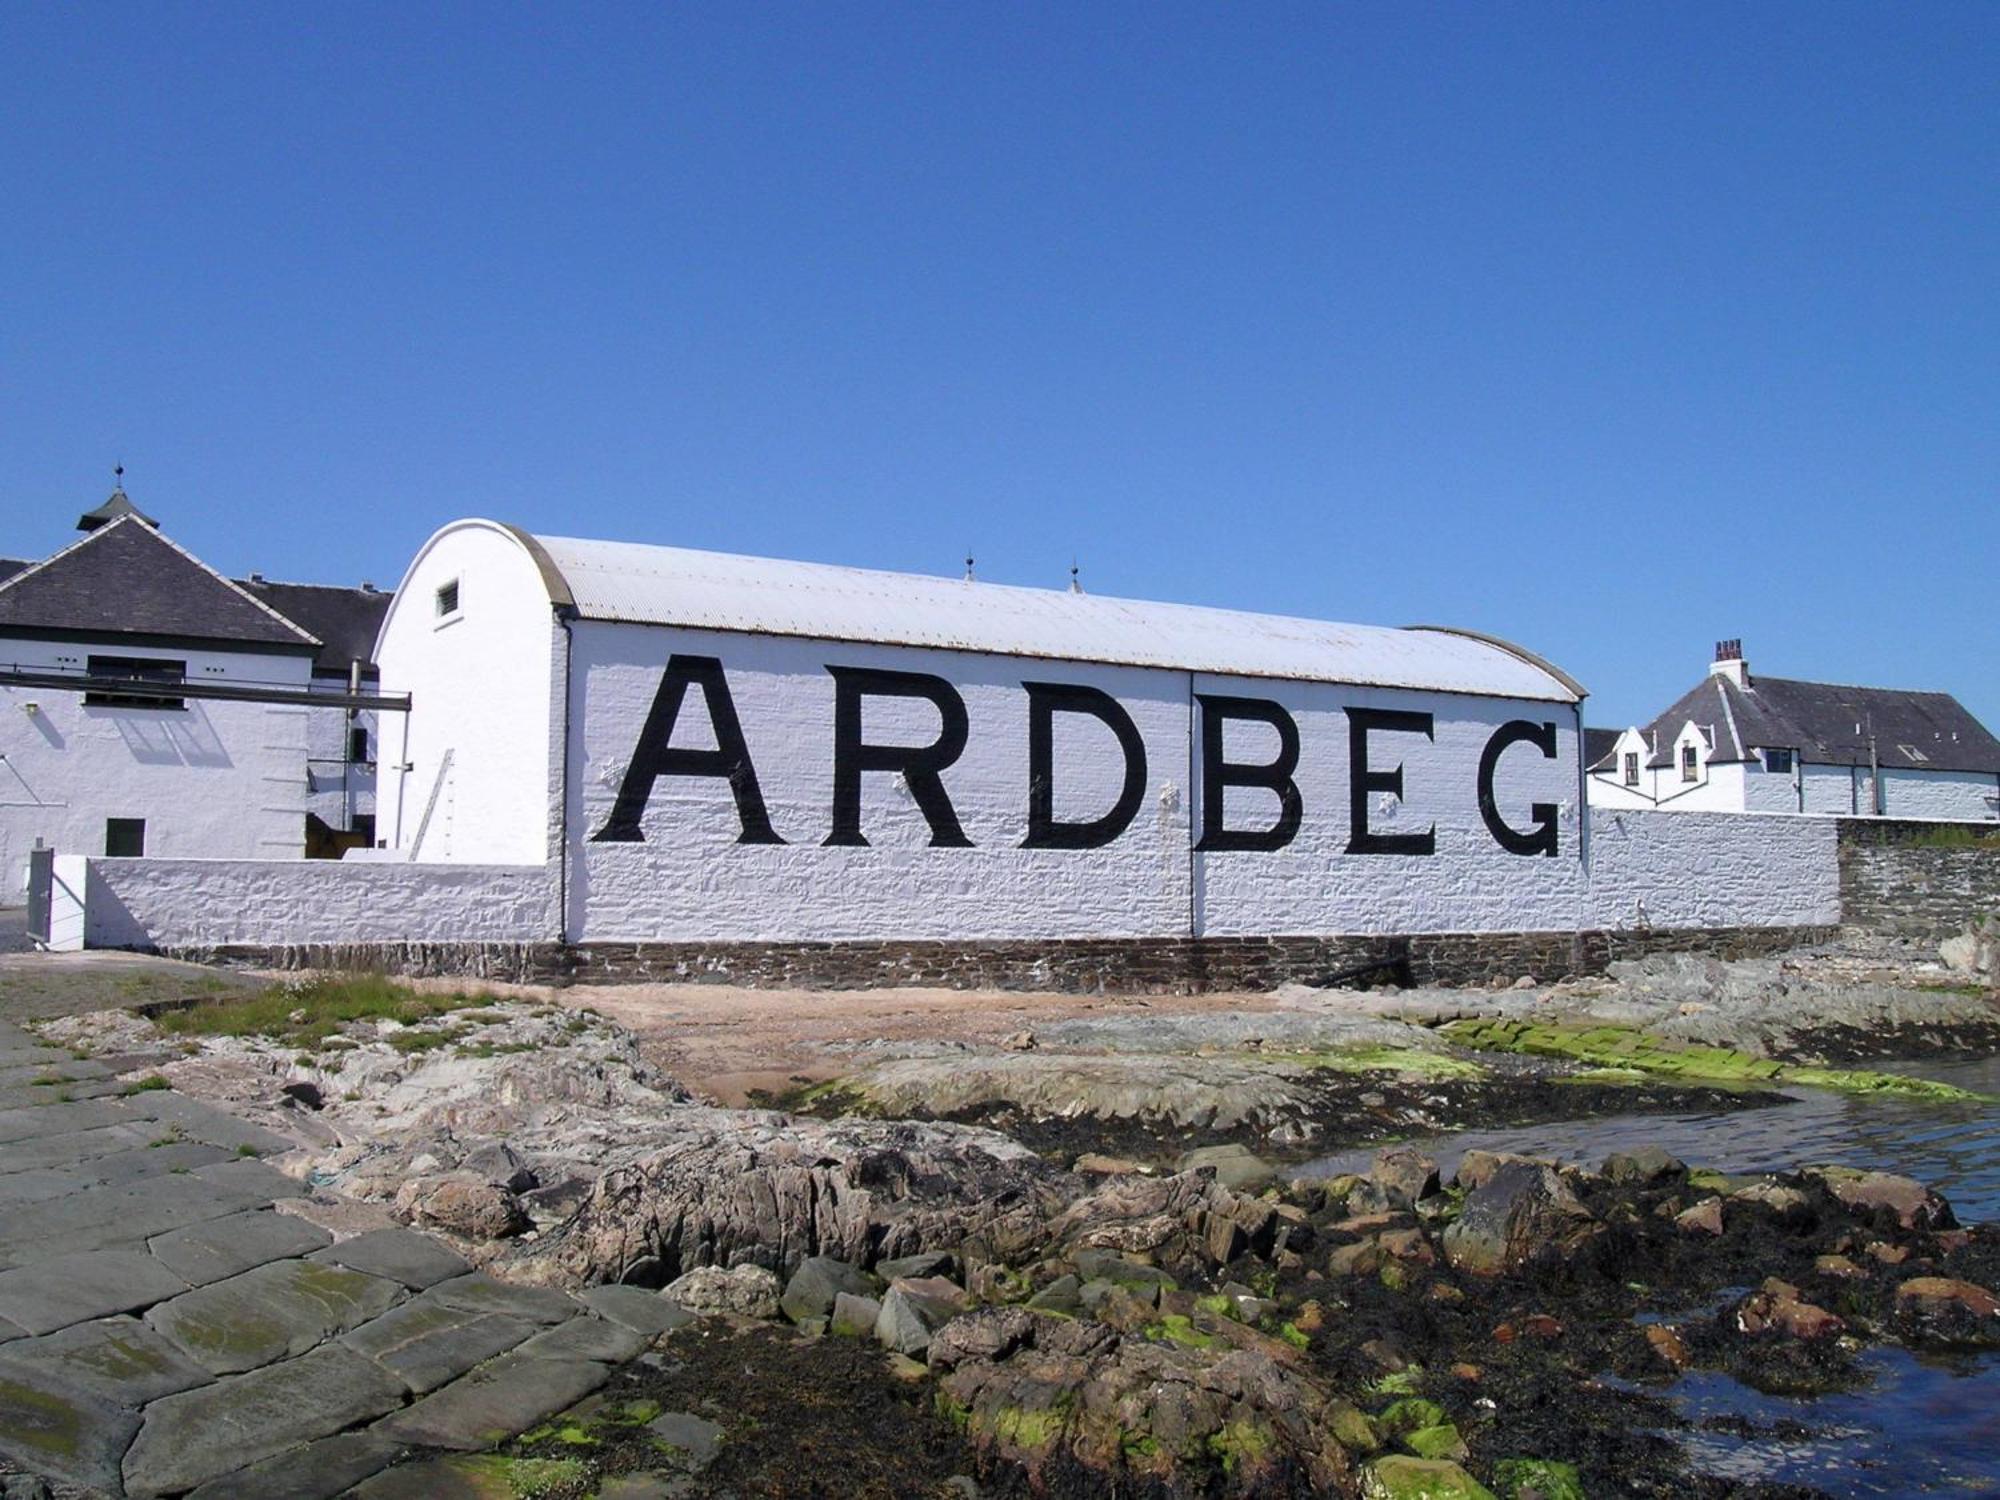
{"x":1081,"y":1259}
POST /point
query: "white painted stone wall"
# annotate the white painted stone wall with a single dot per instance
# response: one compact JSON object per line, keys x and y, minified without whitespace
{"x":1961,"y":796}
{"x":691,"y":879}
{"x":1831,"y":790}
{"x":166,"y":903}
{"x":478,"y":678}
{"x":1662,"y":869}
{"x":215,"y":779}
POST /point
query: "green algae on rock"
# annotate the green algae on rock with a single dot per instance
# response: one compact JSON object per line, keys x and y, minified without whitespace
{"x":1632,"y":1051}
{"x":1401,"y":1478}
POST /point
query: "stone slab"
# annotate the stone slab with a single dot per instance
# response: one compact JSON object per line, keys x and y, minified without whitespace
{"x":76,"y":1146}
{"x":68,"y":1070}
{"x":638,"y":1309}
{"x":119,"y":1216}
{"x":204,"y":1122}
{"x":426,"y":1344}
{"x":482,"y":1293}
{"x":468,"y":1476}
{"x":315,"y":1471}
{"x":277,"y":1311}
{"x":11,"y":1331}
{"x":248,"y":1175}
{"x":588,"y":1338}
{"x":37,"y":1096}
{"x":499,"y":1399}
{"x":51,"y":1428}
{"x":120,"y":1360}
{"x":35,"y":1121}
{"x":30,"y":1053}
{"x":229,"y":1246}
{"x":119,"y":1169}
{"x":201,"y":1435}
{"x":399,"y":1254}
{"x":38,"y":1186}
{"x":54,"y":1294}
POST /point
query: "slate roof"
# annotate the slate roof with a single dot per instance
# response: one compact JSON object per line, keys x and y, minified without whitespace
{"x":124,"y":578}
{"x":116,"y":507}
{"x":9,"y":566}
{"x":1829,"y":724}
{"x":1598,"y":745}
{"x":345,"y":620}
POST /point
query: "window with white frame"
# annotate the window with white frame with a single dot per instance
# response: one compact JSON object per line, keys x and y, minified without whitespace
{"x":1631,"y":768}
{"x":1690,"y":765}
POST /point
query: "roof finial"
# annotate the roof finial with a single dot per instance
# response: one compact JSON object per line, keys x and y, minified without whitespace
{"x":968,"y":565}
{"x":1075,"y":584}
{"x":118,"y":477}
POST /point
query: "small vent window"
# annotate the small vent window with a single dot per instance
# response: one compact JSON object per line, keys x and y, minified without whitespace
{"x":447,"y":597}
{"x":150,"y":679}
{"x":357,"y":745}
{"x":124,"y":838}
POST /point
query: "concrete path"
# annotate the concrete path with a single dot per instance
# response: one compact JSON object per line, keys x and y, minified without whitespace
{"x":164,"y":1330}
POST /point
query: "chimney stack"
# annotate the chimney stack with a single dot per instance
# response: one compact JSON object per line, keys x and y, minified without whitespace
{"x":1729,"y":663}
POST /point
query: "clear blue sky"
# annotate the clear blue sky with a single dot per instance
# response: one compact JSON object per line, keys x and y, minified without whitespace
{"x":1613,"y":329}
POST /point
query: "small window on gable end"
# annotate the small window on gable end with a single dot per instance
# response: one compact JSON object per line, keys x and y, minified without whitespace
{"x":1778,"y":761}
{"x":447,"y":599}
{"x":124,"y":838}
{"x":1690,"y":770}
{"x":1631,"y":768}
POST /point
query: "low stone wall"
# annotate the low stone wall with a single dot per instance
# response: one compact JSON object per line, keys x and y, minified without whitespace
{"x":1928,"y":880}
{"x":213,"y":905}
{"x":1094,"y":966}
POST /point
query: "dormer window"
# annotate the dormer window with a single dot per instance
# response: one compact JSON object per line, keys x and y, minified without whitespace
{"x":1778,"y":761}
{"x":1690,"y":767}
{"x":1631,"y":764}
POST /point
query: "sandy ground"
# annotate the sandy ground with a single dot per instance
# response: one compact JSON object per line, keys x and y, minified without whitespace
{"x":725,"y":1040}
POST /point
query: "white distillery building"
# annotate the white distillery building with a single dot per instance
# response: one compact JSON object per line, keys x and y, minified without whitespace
{"x":150,"y":707}
{"x":710,"y":748}
{"x":1739,"y":742}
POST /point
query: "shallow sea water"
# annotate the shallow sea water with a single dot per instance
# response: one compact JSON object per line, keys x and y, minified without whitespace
{"x":1923,"y":1426}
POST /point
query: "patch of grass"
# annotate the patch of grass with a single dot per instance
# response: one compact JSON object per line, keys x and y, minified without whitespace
{"x":423,"y":1041}
{"x":49,"y":1081}
{"x":322,"y":1006}
{"x":246,"y":1151}
{"x":1950,"y":838}
{"x":495,"y":1049}
{"x":151,"y":1084}
{"x":1966,"y":991}
{"x":1410,"y":1062}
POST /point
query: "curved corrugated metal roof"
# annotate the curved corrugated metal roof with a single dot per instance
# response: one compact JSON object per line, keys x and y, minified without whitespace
{"x":640,"y":584}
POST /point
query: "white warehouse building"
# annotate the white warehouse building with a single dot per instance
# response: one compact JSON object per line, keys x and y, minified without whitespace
{"x":727,"y":750}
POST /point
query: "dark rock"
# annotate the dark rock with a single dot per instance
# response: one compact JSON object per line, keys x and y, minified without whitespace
{"x":1525,"y":1212}
{"x":1942,"y":1310}
{"x":817,"y":1281}
{"x":1644,"y":1167}
{"x":305,"y":1095}
{"x":1776,"y":1307}
{"x":1403,"y":1177}
{"x":929,"y":1263}
{"x":1064,"y":1294}
{"x":503,"y":1166}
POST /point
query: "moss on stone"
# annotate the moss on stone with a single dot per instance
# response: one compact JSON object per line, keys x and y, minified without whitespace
{"x":1292,"y":1334}
{"x":1409,"y":1415}
{"x":1029,"y":1431}
{"x":1177,"y":1328}
{"x":1411,"y":1062}
{"x":1440,"y":1441}
{"x":1631,"y":1050}
{"x":494,"y":1476}
{"x":1241,"y":1443}
{"x":39,"y":1420}
{"x":1353,"y":1429}
{"x":1542,"y":1477}
{"x":1218,"y":1305}
{"x":1398,"y":1477}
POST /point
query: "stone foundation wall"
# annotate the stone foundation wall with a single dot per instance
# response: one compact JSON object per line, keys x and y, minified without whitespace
{"x":1912,"y":878}
{"x":1105,"y":965}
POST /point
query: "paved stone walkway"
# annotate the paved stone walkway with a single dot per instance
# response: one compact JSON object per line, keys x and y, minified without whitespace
{"x":165,"y":1331}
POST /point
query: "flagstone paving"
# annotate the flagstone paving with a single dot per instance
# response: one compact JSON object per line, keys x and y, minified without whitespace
{"x":166,"y":1330}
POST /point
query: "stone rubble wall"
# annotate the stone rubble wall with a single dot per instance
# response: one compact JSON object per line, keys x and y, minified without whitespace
{"x":1905,"y":877}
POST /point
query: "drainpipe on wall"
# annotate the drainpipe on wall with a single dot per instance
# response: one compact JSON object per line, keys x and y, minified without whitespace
{"x":564,"y":616}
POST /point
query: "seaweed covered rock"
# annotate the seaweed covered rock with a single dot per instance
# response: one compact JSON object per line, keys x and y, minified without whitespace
{"x":1523,"y":1213}
{"x":1189,"y":1412}
{"x":1942,"y":1310}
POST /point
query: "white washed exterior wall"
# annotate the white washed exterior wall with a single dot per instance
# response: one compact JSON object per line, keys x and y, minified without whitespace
{"x":1769,"y":791}
{"x":692,"y":880}
{"x":216,"y":779}
{"x":1830,"y":789}
{"x":139,"y":903}
{"x":478,"y":683}
{"x":1656,"y":869}
{"x":1965,"y":796}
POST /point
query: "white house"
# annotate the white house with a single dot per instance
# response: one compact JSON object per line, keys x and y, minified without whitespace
{"x":150,"y":706}
{"x":736,"y":750}
{"x":1743,"y":743}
